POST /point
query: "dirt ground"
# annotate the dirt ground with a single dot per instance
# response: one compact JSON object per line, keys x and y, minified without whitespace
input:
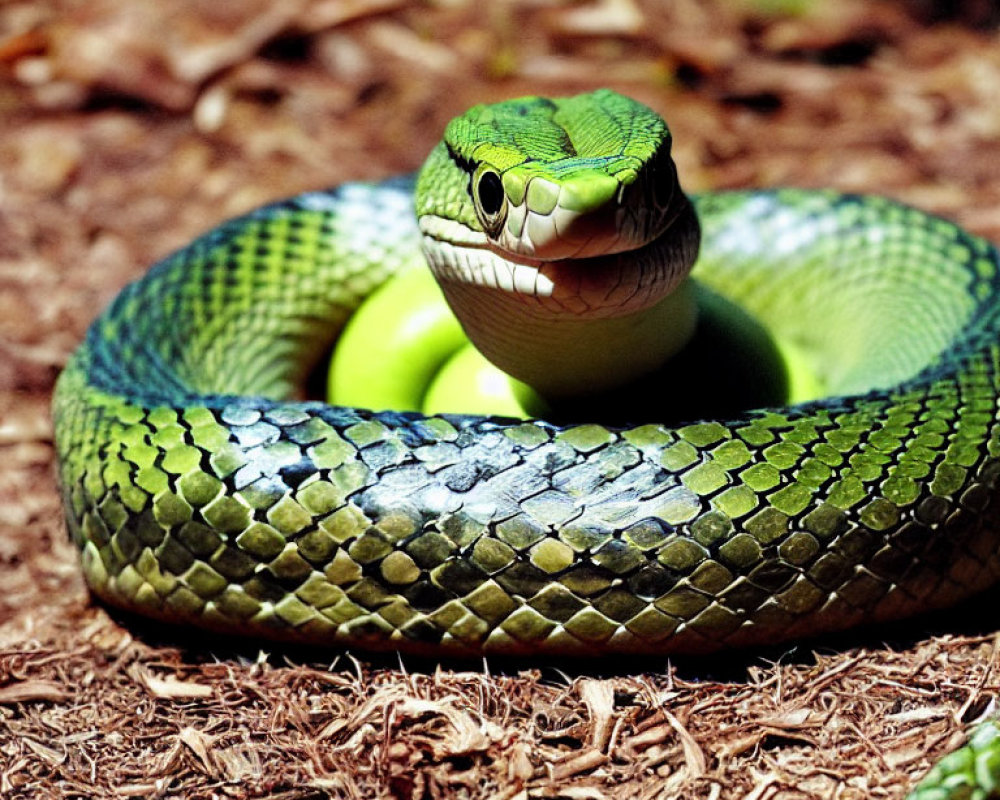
{"x":127,"y":128}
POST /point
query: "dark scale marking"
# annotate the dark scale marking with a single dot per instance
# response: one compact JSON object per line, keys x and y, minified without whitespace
{"x":296,"y":474}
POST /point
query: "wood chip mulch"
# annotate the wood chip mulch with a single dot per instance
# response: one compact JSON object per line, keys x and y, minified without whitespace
{"x":128,"y":128}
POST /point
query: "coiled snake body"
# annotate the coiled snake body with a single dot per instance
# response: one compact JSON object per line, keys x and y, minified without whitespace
{"x":199,"y":490}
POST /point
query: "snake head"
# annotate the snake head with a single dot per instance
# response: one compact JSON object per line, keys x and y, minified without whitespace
{"x":537,"y":179}
{"x":561,"y":221}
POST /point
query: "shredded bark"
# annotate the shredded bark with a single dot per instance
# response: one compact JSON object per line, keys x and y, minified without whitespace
{"x":128,"y":128}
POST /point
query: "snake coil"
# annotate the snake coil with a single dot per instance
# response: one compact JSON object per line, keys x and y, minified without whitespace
{"x":200,"y":491}
{"x":197,"y":492}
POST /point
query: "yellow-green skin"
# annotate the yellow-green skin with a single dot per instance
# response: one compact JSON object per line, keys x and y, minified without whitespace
{"x":404,"y":349}
{"x":200,"y":491}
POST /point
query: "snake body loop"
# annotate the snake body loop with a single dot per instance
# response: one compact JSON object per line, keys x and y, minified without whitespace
{"x":199,"y":493}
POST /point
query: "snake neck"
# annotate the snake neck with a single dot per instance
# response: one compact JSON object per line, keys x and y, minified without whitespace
{"x":569,"y":340}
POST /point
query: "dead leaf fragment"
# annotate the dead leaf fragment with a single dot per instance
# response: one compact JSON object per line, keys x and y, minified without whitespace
{"x":171,"y":688}
{"x":27,"y":691}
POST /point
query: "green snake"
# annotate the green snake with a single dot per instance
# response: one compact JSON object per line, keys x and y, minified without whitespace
{"x":203,"y":487}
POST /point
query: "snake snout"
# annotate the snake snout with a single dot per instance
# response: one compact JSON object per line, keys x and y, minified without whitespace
{"x":587,"y":215}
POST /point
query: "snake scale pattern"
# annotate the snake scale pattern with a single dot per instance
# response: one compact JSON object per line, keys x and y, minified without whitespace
{"x":202,"y":489}
{"x":195,"y":499}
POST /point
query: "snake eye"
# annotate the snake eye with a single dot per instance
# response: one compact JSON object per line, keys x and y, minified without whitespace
{"x":491,"y":202}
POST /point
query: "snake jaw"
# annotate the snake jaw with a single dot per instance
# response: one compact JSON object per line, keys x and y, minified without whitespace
{"x":435,"y":228}
{"x":597,"y":262}
{"x":460,"y":255}
{"x":604,"y":286}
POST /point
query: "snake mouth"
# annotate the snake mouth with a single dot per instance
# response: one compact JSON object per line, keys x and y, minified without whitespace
{"x":612,"y":283}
